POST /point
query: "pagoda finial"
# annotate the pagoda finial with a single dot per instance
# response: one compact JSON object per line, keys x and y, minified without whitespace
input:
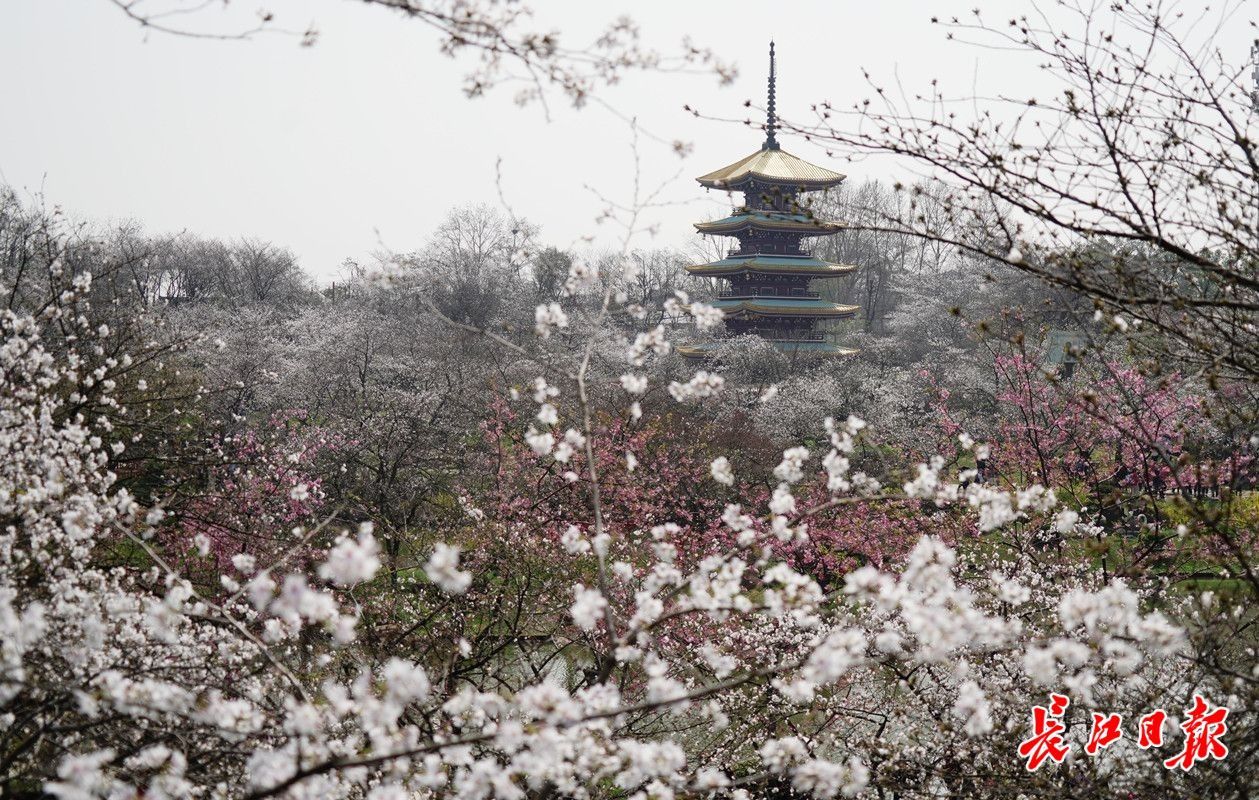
{"x":771,"y":121}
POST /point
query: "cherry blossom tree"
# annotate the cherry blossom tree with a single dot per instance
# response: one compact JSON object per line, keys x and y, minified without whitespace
{"x":631,"y":663}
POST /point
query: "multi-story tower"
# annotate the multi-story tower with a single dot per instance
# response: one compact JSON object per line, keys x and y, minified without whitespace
{"x":770,"y":273}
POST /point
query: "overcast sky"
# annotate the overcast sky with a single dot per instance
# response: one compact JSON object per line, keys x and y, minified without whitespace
{"x":366,"y":138}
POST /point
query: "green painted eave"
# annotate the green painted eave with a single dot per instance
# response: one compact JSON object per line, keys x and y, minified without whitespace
{"x":822,"y":348}
{"x":770,"y":264}
{"x":783,"y":307}
{"x":706,"y":350}
{"x":770,"y":220}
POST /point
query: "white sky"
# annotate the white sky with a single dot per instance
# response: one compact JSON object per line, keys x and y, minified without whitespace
{"x":366,"y":138}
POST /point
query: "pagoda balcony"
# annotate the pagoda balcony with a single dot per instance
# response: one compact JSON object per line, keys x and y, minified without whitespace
{"x":757,"y":291}
{"x":738,"y":252}
{"x":787,"y":336}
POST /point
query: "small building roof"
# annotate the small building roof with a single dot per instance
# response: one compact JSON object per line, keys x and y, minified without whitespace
{"x":1063,"y":346}
{"x":772,"y":165}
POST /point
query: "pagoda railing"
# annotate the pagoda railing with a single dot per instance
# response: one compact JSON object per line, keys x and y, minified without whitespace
{"x":757,"y":291}
{"x":780,"y":336}
{"x":786,"y":251}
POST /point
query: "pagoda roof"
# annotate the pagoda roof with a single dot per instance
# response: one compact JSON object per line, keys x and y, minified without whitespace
{"x":805,"y":224}
{"x":772,"y":264}
{"x":706,"y":349}
{"x":771,"y":165}
{"x":782,"y":307}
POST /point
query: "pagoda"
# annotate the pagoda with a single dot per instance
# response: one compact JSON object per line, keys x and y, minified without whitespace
{"x":771,"y":273}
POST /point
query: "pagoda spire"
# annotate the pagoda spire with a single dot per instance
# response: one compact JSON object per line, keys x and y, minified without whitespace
{"x":771,"y":121}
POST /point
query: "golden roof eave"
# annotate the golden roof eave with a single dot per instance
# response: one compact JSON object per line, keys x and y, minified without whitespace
{"x":773,"y":166}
